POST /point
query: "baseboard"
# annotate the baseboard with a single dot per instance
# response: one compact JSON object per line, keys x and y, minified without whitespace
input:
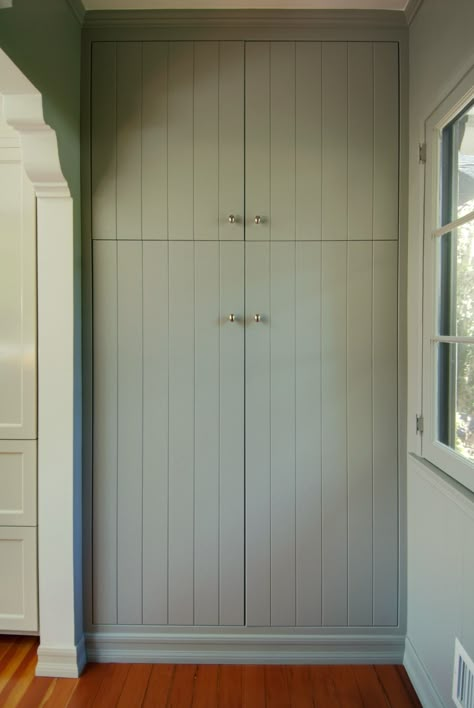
{"x":420,"y":679}
{"x":244,"y":649}
{"x":62,"y":661}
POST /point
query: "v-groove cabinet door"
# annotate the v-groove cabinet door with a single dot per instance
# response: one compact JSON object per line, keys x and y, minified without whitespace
{"x":245,"y":442}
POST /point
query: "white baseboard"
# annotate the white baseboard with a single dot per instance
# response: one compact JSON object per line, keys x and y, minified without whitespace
{"x":61,"y":661}
{"x":420,"y":679}
{"x":244,"y":649}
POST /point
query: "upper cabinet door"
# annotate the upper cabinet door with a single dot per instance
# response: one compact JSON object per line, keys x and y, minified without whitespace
{"x":17,"y":299}
{"x":167,"y":124}
{"x":322,"y":140}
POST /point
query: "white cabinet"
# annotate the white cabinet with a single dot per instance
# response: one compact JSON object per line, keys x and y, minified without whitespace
{"x":18,"y":401}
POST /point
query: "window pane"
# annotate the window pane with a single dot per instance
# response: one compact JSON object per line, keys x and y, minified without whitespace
{"x":456,"y":282}
{"x":457,"y":184}
{"x":456,"y":397}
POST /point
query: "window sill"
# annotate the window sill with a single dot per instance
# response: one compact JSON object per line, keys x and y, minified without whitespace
{"x":452,"y":489}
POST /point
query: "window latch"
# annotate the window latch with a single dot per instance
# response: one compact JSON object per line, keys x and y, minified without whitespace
{"x":422,"y":153}
{"x":419,"y":424}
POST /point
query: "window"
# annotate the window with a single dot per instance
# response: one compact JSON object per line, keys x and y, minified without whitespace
{"x":448,"y":345}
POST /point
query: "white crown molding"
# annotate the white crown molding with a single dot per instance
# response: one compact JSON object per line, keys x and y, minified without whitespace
{"x":411,"y":10}
{"x":77,"y":9}
{"x":304,"y":19}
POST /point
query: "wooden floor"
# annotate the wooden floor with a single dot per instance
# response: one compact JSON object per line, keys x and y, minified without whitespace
{"x":203,"y":686}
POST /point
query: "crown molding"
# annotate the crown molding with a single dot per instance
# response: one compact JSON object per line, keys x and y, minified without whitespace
{"x":77,"y":9}
{"x":307,"y":19}
{"x":411,"y":10}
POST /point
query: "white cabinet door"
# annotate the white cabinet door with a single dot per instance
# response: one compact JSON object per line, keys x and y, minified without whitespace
{"x":17,"y":299}
{"x":18,"y":581}
{"x":168,"y":485}
{"x":18,"y":482}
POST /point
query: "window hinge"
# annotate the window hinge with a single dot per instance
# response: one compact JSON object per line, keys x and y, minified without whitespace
{"x":422,"y":153}
{"x":419,"y":424}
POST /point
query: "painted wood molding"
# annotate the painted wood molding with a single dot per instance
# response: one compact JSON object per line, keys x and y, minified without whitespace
{"x":62,"y":662}
{"x":268,"y":19}
{"x":208,"y":648}
{"x":420,"y":678}
{"x":24,"y":113}
{"x":411,"y":10}
{"x":77,"y":9}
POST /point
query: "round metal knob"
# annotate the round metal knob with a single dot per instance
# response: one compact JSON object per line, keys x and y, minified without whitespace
{"x":258,"y":219}
{"x":258,"y":318}
{"x":232,"y":318}
{"x":231,"y":219}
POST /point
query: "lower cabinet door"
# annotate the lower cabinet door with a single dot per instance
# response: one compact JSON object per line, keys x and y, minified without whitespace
{"x":18,"y":579}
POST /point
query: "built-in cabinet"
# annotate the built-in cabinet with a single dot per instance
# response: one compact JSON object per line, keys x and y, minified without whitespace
{"x":244,"y":222}
{"x":18,"y":426}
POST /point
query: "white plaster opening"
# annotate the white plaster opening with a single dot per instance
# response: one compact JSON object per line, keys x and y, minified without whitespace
{"x":61,"y":651}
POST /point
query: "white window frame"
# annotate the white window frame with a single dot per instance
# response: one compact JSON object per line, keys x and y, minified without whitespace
{"x":443,"y":457}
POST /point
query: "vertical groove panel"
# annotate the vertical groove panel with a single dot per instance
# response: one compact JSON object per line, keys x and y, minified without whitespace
{"x":282,"y":141}
{"x":180,"y":140}
{"x":334,"y":433}
{"x":308,"y":140}
{"x":104,"y":491}
{"x":155,"y":432}
{"x":361,"y":139}
{"x":155,"y":140}
{"x":181,"y":433}
{"x":385,"y":434}
{"x":257,"y":140}
{"x":359,"y":430}
{"x":282,"y":402}
{"x":130,"y":427}
{"x":103,"y":140}
{"x":231,"y":139}
{"x":129,"y":140}
{"x":308,"y":434}
{"x":386,"y":148}
{"x":206,"y":422}
{"x":334,"y":145}
{"x":232,"y":438}
{"x":258,"y":441}
{"x":206,"y":140}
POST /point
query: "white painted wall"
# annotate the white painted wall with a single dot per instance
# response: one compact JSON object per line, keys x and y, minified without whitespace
{"x":440,"y":515}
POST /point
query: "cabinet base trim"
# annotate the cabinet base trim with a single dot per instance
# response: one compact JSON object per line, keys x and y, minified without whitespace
{"x":420,"y":679}
{"x":232,"y":649}
{"x":62,"y":661}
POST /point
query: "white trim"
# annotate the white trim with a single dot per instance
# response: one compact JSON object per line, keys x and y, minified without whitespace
{"x":446,"y":485}
{"x":442,"y":339}
{"x":428,"y":695}
{"x":209,"y":648}
{"x":59,"y":557}
{"x":411,"y":10}
{"x":62,"y":662}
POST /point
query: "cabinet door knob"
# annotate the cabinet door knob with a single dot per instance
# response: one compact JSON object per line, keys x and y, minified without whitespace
{"x":232,"y":219}
{"x":258,"y":318}
{"x":258,"y":219}
{"x":232,"y":318}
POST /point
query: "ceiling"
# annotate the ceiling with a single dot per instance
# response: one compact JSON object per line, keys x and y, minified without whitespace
{"x":245,"y":4}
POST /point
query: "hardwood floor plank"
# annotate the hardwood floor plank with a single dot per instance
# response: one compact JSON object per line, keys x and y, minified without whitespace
{"x":36,"y":693}
{"x":182,"y":689}
{"x":12,"y":660}
{"x":230,"y":686}
{"x":394,"y":687}
{"x":253,"y":687}
{"x":89,"y":685}
{"x":206,"y":686}
{"x":301,"y":687}
{"x":5,"y":644}
{"x":20,"y":681}
{"x":159,"y":685}
{"x":370,"y":688}
{"x":135,"y":686}
{"x":324,"y":690}
{"x":408,"y":686}
{"x":59,"y":694}
{"x":277,"y":692}
{"x":346,"y":686}
{"x":111,"y":687}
